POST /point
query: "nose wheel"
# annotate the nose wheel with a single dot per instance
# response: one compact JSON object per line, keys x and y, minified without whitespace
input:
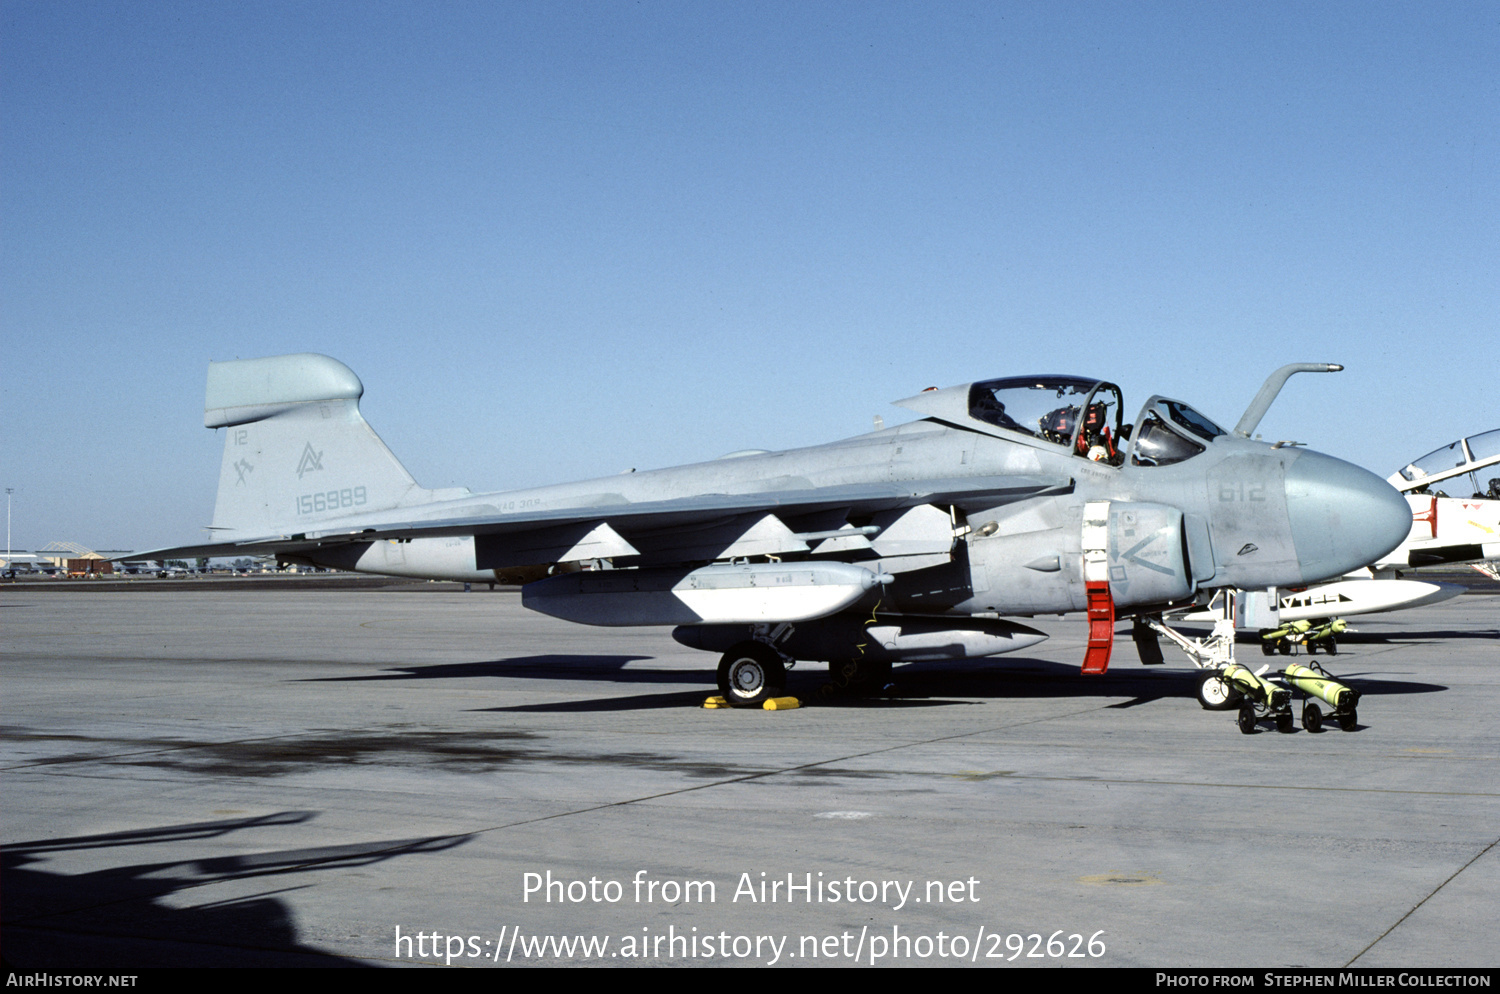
{"x":1215,"y":693}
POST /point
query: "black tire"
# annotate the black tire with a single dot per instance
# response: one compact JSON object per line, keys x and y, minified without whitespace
{"x":1214,"y":694}
{"x":1312,"y":648}
{"x":1284,"y":723}
{"x":1268,"y":648}
{"x":1349,"y":721}
{"x":750,"y":674}
{"x":1331,"y":647}
{"x":1285,"y":648}
{"x":1247,"y":718}
{"x":1312,"y":717}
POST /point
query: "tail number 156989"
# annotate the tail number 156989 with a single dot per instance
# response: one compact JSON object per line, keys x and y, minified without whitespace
{"x":330,"y":500}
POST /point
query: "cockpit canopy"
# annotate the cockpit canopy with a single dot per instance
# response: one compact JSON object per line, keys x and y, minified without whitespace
{"x":1170,"y":432}
{"x":1084,"y":415}
{"x":1465,"y":457}
{"x":1081,"y":414}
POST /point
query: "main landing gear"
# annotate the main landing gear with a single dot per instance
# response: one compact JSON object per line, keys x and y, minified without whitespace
{"x":751,"y":673}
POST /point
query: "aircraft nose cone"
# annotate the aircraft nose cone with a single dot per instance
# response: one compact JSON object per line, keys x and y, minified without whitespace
{"x":1343,"y":518}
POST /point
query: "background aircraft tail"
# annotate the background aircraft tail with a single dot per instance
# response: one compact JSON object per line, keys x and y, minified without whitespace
{"x":297,"y":452}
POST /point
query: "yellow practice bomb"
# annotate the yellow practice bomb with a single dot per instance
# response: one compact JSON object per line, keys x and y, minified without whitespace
{"x":1318,"y":685}
{"x":1288,"y":630}
{"x":1255,"y":688}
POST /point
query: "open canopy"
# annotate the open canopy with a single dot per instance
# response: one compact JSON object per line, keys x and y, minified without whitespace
{"x":1465,"y":457}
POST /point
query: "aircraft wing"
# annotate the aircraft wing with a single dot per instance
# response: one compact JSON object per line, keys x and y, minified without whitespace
{"x":698,"y":527}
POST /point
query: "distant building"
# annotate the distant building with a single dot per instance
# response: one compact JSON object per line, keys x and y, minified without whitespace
{"x":75,"y":559}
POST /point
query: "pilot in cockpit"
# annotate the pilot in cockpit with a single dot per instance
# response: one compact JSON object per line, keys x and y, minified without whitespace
{"x":1095,"y":440}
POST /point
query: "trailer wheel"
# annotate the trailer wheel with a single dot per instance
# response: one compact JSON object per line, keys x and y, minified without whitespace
{"x":1312,"y":717}
{"x":1247,"y":718}
{"x":1349,"y":721}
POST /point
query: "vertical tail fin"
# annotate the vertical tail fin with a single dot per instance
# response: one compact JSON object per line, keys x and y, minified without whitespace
{"x":297,"y":451}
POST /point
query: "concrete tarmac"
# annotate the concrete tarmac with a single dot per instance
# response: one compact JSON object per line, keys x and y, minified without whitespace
{"x":288,"y":776}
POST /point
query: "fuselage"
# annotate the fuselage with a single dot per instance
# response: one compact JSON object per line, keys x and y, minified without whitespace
{"x":1225,"y":512}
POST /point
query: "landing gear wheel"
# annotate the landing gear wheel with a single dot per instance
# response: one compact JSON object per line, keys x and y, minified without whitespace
{"x":1247,"y":718}
{"x":1214,"y":694}
{"x":1284,"y":722}
{"x":1312,"y":717}
{"x":751,"y":673}
{"x":1349,"y":721}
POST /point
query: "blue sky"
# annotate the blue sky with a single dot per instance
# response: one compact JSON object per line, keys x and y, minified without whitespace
{"x":560,"y":240}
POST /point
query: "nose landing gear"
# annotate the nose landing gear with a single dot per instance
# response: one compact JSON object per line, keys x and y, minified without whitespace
{"x":1224,"y":685}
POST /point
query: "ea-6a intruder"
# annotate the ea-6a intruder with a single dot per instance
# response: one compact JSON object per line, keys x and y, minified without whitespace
{"x":1008,"y":498}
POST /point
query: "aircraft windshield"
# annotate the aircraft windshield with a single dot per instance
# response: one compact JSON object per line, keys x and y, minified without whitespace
{"x":1190,"y":419}
{"x":1170,"y":432}
{"x":1158,"y":445}
{"x":1044,"y":407}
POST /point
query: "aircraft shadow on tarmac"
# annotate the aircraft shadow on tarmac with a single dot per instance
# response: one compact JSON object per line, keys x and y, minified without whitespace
{"x":546,"y":667}
{"x":114,"y":919}
{"x":594,"y":669}
{"x":912,"y":685}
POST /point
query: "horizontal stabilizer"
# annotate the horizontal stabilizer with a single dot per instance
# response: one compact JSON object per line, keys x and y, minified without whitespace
{"x":247,"y":390}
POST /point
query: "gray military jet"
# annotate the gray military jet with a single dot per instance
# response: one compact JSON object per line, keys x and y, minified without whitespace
{"x":1007,"y":498}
